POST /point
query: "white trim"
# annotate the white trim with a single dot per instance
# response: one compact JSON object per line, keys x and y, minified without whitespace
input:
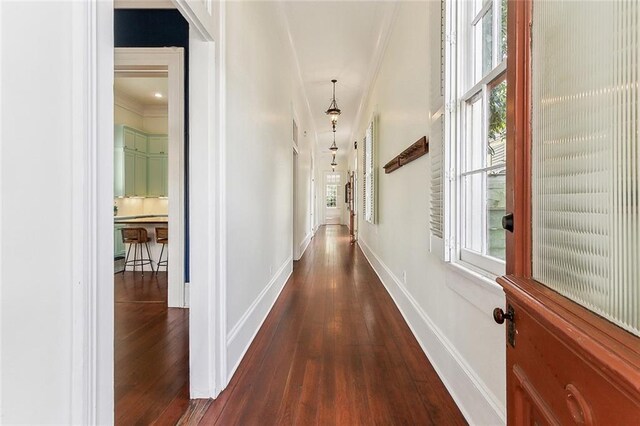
{"x":1,"y":239}
{"x":127,"y":102}
{"x":201,"y":16}
{"x":476,"y":402}
{"x":221,"y":125}
{"x":143,"y":4}
{"x":173,"y":59}
{"x":207,"y":313}
{"x":211,"y":337}
{"x":244,"y":332}
{"x":155,"y":111}
{"x":304,"y":244}
{"x":493,"y":266}
{"x":92,"y":332}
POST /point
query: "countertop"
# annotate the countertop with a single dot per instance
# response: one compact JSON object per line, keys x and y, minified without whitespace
{"x":142,"y":219}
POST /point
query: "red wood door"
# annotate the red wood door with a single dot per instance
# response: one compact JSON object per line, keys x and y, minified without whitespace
{"x":565,"y":364}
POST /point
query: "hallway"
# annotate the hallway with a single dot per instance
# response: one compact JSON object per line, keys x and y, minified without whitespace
{"x":334,"y":350}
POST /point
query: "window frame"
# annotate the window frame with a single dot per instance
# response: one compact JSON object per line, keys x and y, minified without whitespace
{"x":460,"y":66}
{"x":326,"y":195}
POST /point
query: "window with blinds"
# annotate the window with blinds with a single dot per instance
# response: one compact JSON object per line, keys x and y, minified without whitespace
{"x":586,"y":159}
{"x":369,"y":173}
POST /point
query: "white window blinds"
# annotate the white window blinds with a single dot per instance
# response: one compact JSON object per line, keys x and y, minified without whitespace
{"x":586,"y":159}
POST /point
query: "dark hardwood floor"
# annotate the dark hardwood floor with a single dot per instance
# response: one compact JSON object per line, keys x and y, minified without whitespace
{"x":151,"y":352}
{"x":334,"y":350}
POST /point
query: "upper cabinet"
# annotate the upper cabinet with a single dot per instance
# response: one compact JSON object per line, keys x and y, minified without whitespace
{"x":140,"y":163}
{"x":157,"y":144}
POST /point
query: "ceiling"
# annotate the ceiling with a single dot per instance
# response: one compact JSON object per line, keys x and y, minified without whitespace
{"x":142,"y":89}
{"x":340,"y":40}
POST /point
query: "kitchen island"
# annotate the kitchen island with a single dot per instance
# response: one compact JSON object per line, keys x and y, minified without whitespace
{"x":150,"y":223}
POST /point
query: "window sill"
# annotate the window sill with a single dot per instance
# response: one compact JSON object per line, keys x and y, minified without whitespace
{"x":483,"y":291}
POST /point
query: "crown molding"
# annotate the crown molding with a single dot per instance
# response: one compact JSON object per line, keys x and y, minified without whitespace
{"x":124,"y":101}
{"x":151,"y":111}
{"x":143,"y":4}
{"x":146,"y":111}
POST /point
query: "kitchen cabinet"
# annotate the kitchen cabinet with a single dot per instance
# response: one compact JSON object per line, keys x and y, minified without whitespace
{"x":140,"y":163}
{"x":140,"y":175}
{"x":118,"y":245}
{"x":158,"y":144}
{"x":157,"y":180}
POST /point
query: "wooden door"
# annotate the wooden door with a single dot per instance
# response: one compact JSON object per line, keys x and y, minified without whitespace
{"x":565,"y":364}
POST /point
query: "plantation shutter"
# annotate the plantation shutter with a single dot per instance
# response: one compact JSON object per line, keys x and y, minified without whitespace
{"x":370,"y":181}
{"x":436,"y":145}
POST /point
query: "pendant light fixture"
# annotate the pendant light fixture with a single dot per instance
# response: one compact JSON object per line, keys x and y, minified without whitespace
{"x":333,"y":146}
{"x":333,"y":163}
{"x":333,"y":112}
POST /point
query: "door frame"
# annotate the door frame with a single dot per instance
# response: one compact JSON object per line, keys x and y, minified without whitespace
{"x":597,"y":342}
{"x":92,"y":381}
{"x":295,"y":247}
{"x":169,"y":60}
{"x":339,"y":203}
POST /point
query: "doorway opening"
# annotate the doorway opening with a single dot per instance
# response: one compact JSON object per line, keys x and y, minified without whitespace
{"x":332,"y":198}
{"x":150,"y":293}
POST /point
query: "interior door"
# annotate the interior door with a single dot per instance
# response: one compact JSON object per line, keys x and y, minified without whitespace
{"x":572,"y":318}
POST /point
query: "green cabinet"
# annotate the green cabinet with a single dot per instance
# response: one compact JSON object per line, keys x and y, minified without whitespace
{"x":157,"y":175}
{"x":118,"y":245}
{"x":140,"y":175}
{"x":128,"y":173}
{"x":140,"y":163}
{"x":158,"y":144}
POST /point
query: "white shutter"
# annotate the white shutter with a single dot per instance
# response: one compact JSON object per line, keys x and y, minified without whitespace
{"x":586,"y":158}
{"x":369,"y":173}
{"x":436,"y":145}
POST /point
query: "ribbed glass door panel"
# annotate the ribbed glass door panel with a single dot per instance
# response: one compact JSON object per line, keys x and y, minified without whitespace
{"x":586,"y":159}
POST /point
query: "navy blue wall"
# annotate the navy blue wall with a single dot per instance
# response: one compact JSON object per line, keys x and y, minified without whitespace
{"x":160,"y":28}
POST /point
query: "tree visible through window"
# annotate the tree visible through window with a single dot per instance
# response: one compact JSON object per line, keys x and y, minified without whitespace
{"x":332,"y":195}
{"x":479,"y":147}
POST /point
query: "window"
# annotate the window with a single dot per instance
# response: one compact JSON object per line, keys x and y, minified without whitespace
{"x":331,"y":190}
{"x":476,"y":90}
{"x":332,"y":195}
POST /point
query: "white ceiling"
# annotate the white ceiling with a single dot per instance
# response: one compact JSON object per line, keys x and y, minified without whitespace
{"x":340,"y":40}
{"x":142,"y":89}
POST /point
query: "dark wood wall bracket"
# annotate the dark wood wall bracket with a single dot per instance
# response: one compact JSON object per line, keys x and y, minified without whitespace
{"x":416,"y":150}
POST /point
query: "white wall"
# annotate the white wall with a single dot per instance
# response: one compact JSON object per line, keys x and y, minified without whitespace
{"x":262,"y":92}
{"x":146,"y":123}
{"x":36,"y":190}
{"x":449,"y":311}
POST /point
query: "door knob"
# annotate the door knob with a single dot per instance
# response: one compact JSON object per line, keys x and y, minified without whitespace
{"x":499,"y":315}
{"x":507,"y":222}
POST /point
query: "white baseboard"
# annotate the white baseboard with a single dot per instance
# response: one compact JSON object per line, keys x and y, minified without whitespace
{"x":242,"y":334}
{"x":303,"y":245}
{"x":476,"y":402}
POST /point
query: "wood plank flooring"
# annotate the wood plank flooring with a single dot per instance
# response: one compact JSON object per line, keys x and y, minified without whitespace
{"x":334,"y":350}
{"x":151,"y":352}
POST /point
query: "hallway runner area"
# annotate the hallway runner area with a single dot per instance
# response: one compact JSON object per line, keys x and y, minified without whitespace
{"x":334,"y":350}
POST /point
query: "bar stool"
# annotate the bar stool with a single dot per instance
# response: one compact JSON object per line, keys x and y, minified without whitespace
{"x":162,"y":237}
{"x":136,"y":237}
